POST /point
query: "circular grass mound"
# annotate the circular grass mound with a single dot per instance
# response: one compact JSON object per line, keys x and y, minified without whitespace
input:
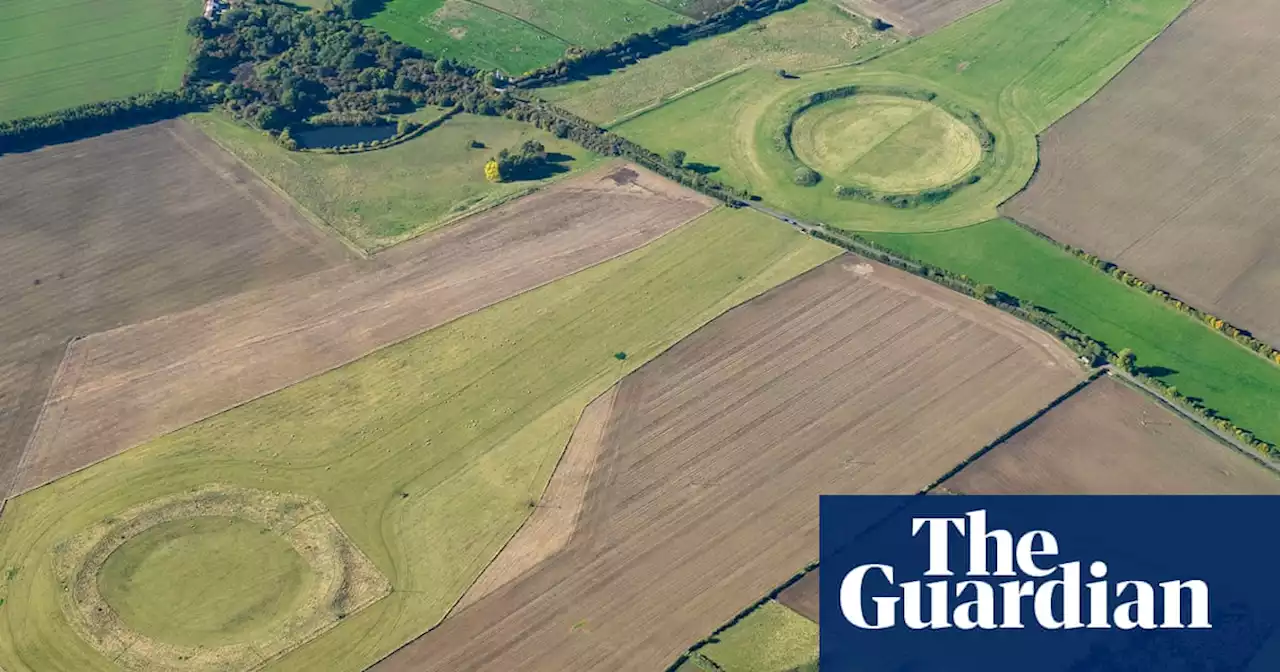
{"x":209,"y":581}
{"x":217,"y":578}
{"x":890,"y":144}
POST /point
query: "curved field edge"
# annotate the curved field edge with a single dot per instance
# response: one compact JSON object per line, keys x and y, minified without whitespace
{"x":427,"y":452}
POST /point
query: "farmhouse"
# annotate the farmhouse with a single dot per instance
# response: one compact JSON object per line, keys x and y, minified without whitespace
{"x":213,"y":7}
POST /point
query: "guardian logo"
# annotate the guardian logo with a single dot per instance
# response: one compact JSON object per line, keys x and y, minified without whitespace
{"x":1046,"y":584}
{"x":1052,"y":591}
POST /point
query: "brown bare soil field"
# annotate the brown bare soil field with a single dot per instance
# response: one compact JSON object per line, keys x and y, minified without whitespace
{"x":851,"y":378}
{"x":121,"y":228}
{"x":1170,"y":171}
{"x":119,"y":388}
{"x":1112,"y":439}
{"x":802,"y":596}
{"x":917,"y":17}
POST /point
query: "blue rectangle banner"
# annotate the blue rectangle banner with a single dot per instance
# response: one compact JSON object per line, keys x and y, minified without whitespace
{"x":961,"y":583}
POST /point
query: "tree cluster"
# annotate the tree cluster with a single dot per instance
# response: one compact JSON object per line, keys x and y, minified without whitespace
{"x":276,"y":67}
{"x":528,"y":160}
{"x":579,"y":64}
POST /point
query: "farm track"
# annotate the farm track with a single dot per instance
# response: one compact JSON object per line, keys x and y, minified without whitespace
{"x":852,"y":378}
{"x":137,"y":382}
{"x":1169,"y":171}
{"x":142,"y":223}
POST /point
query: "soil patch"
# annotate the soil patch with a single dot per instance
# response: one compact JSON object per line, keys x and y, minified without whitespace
{"x":837,"y":382}
{"x":127,"y":227}
{"x":916,"y":17}
{"x":1170,"y":170}
{"x":802,"y":596}
{"x":119,"y":388}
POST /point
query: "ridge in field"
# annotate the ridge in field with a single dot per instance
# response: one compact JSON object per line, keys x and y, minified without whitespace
{"x":853,"y":377}
{"x":426,"y":453}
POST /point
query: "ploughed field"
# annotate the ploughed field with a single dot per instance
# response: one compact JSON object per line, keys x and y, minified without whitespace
{"x":1170,"y":171}
{"x":372,"y":495}
{"x":123,"y":387}
{"x":851,"y":378}
{"x":1110,"y":438}
{"x":126,"y":227}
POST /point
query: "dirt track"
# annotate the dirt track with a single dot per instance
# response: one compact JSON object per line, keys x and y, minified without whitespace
{"x":1171,"y":170}
{"x":119,"y":388}
{"x":1112,"y":439}
{"x":917,"y":17}
{"x":121,"y":228}
{"x":851,"y":378}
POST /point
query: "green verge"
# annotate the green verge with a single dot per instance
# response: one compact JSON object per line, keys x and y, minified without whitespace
{"x":427,"y":453}
{"x":516,"y":36}
{"x":812,"y":35}
{"x":1197,"y":360}
{"x":772,"y":638}
{"x":56,"y":54}
{"x":378,"y":198}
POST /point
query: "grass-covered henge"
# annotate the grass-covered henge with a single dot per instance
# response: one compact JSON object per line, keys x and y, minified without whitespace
{"x":1020,"y":64}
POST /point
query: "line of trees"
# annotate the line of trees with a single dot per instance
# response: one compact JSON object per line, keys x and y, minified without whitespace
{"x":1091,"y":351}
{"x":580,"y":64}
{"x":21,"y":135}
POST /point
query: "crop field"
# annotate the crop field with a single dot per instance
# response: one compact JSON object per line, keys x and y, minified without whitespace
{"x":851,"y":378}
{"x":1179,"y":350}
{"x":1170,"y":171}
{"x":376,"y":199}
{"x":917,"y":17}
{"x":62,"y":53}
{"x":812,"y":35}
{"x":516,"y":36}
{"x":1018,"y":66}
{"x":140,"y":223}
{"x":1110,"y":438}
{"x":772,"y":638}
{"x":126,"y":386}
{"x":399,"y":475}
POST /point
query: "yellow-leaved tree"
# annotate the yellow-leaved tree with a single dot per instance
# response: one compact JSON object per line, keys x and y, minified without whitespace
{"x":491,"y":171}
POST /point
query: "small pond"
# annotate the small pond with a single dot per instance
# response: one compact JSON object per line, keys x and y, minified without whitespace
{"x":338,"y":136}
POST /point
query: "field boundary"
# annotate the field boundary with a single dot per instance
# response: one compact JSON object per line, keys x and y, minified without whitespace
{"x":317,"y":221}
{"x":314,"y":374}
{"x":21,"y":465}
{"x":683,"y":93}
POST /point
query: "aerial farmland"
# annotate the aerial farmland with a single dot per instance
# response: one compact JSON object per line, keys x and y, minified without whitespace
{"x":484,"y":336}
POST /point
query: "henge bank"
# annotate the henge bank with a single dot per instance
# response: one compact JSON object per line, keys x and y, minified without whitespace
{"x":1048,"y":583}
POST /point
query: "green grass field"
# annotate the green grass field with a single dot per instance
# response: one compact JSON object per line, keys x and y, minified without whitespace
{"x":516,"y":36}
{"x":815,"y":34}
{"x":887,"y":143}
{"x":1020,"y":64}
{"x":204,"y":581}
{"x":427,"y":453}
{"x":772,"y":638}
{"x":1201,"y":362}
{"x":379,"y":198}
{"x":56,"y":54}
